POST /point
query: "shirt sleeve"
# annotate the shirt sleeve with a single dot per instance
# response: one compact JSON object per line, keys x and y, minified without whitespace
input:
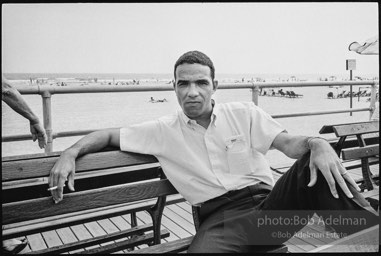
{"x":264,"y":129}
{"x":141,"y":138}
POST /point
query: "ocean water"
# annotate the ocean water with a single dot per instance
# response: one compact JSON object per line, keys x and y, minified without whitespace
{"x":105,"y":110}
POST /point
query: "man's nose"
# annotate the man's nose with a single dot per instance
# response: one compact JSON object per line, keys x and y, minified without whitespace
{"x":193,"y":92}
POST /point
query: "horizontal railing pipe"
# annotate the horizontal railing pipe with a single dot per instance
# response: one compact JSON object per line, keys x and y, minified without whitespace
{"x":169,"y":87}
{"x":23,"y":137}
{"x":320,"y":113}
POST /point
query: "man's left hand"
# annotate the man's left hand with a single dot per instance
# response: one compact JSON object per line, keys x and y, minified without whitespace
{"x":325,"y":159}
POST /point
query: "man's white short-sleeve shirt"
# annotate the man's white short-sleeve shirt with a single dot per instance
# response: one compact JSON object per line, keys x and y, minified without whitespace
{"x":205,"y":163}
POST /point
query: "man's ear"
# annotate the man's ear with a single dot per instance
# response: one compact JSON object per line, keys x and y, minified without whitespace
{"x":215,"y":85}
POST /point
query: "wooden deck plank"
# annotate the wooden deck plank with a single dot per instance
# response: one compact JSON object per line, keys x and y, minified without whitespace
{"x":121,"y":223}
{"x":186,"y":206}
{"x":51,"y":238}
{"x":366,"y":240}
{"x":181,"y":212}
{"x":36,"y":242}
{"x":300,"y":243}
{"x":174,"y":227}
{"x":108,"y":226}
{"x":66,"y":235}
{"x":95,"y":229}
{"x":82,"y":233}
{"x":180,"y":221}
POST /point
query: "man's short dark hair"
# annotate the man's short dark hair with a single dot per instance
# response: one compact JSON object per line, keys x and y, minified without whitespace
{"x":193,"y":57}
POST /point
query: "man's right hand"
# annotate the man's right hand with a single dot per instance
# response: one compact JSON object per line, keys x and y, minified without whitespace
{"x":63,"y":170}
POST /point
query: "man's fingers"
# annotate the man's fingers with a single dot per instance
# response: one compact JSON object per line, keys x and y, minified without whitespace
{"x":341,"y":182}
{"x":34,"y":136}
{"x":56,"y":184}
{"x":348,"y":177}
{"x":70,"y":183}
{"x":42,"y":141}
{"x":331,"y":182}
{"x":313,"y":176}
{"x":351,"y":181}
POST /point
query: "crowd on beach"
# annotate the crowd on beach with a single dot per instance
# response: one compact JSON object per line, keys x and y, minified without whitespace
{"x":346,"y":94}
{"x":279,"y":93}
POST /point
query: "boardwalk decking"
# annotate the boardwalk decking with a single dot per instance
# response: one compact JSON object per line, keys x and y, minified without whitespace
{"x":177,"y":219}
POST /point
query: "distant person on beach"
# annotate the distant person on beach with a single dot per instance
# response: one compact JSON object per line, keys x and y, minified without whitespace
{"x":214,"y":155}
{"x":155,"y":101}
{"x":13,"y":98}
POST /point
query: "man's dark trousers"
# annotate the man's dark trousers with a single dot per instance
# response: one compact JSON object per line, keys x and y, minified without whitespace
{"x":243,"y":220}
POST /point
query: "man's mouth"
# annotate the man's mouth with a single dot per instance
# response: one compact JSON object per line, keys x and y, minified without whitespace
{"x":192,"y":102}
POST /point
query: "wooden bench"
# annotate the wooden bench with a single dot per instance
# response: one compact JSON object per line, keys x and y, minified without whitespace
{"x":108,"y":184}
{"x":362,"y":148}
{"x":357,"y":142}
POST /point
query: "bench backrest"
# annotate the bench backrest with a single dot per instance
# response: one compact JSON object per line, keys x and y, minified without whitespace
{"x":351,"y":135}
{"x":359,"y":130}
{"x":101,"y":181}
{"x":364,"y":150}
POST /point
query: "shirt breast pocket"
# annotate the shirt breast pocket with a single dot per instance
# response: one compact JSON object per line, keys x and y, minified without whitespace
{"x":238,"y":155}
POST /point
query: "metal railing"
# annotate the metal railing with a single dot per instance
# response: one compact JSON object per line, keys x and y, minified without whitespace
{"x":47,"y":92}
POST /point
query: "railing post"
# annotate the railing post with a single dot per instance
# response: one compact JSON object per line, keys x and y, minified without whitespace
{"x":373,"y":99}
{"x":47,"y":114}
{"x":255,"y":94}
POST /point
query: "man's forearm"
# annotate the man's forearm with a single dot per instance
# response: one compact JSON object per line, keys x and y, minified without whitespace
{"x":295,"y":146}
{"x":92,"y":142}
{"x":14,"y":99}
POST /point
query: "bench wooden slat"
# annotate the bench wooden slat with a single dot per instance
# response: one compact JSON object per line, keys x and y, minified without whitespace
{"x":31,"y":156}
{"x":44,"y":207}
{"x":40,"y":167}
{"x":134,"y":241}
{"x":169,"y":247}
{"x":84,"y":181}
{"x":361,"y":152}
{"x":329,"y":128}
{"x":356,"y":128}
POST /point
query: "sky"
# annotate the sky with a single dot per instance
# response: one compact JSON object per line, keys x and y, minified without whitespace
{"x":256,"y":38}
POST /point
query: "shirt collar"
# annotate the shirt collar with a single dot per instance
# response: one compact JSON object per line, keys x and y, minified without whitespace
{"x":189,"y":121}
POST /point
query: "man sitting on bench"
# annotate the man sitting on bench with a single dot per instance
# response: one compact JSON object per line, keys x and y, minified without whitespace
{"x":214,"y":155}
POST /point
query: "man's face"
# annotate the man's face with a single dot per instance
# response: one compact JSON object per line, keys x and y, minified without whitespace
{"x":194,"y":89}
